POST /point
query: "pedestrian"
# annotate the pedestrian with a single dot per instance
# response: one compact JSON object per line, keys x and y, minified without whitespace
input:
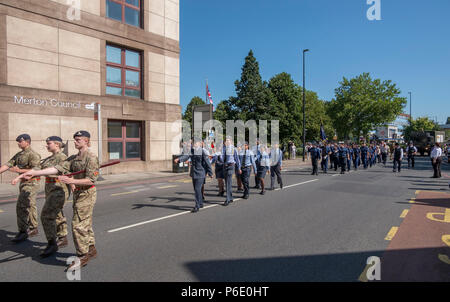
{"x":263,"y":167}
{"x":237,"y":173}
{"x":384,"y":153}
{"x":26,"y":209}
{"x":336,"y":157}
{"x":398,"y":157}
{"x":294,"y":151}
{"x":230,"y":158}
{"x":208,"y":153}
{"x":200,"y":166}
{"x":448,"y":153}
{"x":56,"y":195}
{"x":256,"y":152}
{"x":411,"y":151}
{"x":84,"y":195}
{"x":247,"y":160}
{"x":350,"y":157}
{"x":315,"y":156}
{"x":356,"y":156}
{"x":436,"y":160}
{"x":276,"y":160}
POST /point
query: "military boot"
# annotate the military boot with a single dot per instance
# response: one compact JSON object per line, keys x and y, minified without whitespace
{"x":62,"y":242}
{"x":51,"y":248}
{"x":21,"y":236}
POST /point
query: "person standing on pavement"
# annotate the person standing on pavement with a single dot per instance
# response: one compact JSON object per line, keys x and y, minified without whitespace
{"x":230,"y":158}
{"x":294,"y":150}
{"x":84,"y":195}
{"x":411,"y":151}
{"x":315,"y":156}
{"x":200,"y":166}
{"x":436,"y":160}
{"x":276,"y":159}
{"x":247,"y":161}
{"x":26,"y":209}
{"x":398,"y":157}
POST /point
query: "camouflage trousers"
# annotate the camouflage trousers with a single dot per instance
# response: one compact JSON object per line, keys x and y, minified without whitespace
{"x":26,"y":209}
{"x":52,"y":216}
{"x":83,"y":207}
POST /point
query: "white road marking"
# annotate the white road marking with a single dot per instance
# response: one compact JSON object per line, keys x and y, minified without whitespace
{"x":186,"y":212}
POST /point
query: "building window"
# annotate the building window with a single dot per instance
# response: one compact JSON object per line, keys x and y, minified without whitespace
{"x":125,"y":11}
{"x":125,"y":140}
{"x":123,"y":71}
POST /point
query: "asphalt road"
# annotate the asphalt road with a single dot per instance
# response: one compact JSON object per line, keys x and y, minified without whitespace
{"x":318,"y":228}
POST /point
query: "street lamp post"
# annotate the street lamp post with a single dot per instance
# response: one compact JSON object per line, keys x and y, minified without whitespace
{"x":304,"y":113}
{"x":410,"y":112}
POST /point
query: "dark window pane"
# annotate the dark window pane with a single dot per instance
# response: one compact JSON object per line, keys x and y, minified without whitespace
{"x":133,"y":93}
{"x":133,"y":150}
{"x":132,"y":58}
{"x":113,"y":90}
{"x":133,"y":2}
{"x":132,"y":16}
{"x":115,"y":150}
{"x":133,"y":130}
{"x":114,"y":129}
{"x":132,"y":78}
{"x":113,"y":54}
{"x":113,"y":10}
{"x":113,"y":75}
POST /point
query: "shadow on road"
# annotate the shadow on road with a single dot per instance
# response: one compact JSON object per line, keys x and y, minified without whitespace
{"x":346,"y":267}
{"x":28,"y":249}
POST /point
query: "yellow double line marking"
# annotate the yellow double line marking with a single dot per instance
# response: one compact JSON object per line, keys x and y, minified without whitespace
{"x":404,"y":213}
{"x":124,"y":193}
{"x":166,"y":187}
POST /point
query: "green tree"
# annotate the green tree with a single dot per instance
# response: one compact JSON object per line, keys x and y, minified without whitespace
{"x":187,"y":116}
{"x":420,"y":124}
{"x":362,"y":103}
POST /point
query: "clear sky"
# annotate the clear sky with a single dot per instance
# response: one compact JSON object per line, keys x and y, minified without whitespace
{"x":410,"y":46}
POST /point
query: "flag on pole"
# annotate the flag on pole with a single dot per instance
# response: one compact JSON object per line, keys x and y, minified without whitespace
{"x":323,"y":136}
{"x":208,"y":94}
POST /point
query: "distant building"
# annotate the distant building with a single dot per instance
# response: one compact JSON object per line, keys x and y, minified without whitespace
{"x":388,"y":132}
{"x":447,"y":125}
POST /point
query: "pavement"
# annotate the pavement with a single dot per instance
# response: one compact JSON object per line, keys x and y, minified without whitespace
{"x":317,"y":228}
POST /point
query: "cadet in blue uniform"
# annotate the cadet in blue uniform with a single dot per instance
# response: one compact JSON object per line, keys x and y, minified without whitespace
{"x":325,"y":153}
{"x":257,"y":152}
{"x":343,"y":156}
{"x":315,"y":156}
{"x":332,"y":154}
{"x":350,"y":156}
{"x":356,"y":156}
{"x":247,"y":161}
{"x":336,"y":157}
{"x":230,"y":158}
{"x":218,"y":169}
{"x":263,"y":167}
{"x":200,"y":166}
{"x":364,"y":155}
{"x":276,"y":159}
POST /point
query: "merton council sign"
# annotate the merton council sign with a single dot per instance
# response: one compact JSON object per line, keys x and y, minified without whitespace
{"x":51,"y":103}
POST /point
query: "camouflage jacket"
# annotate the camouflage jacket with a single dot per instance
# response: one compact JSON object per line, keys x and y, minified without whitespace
{"x":87,"y":161}
{"x":51,"y":161}
{"x":26,"y":159}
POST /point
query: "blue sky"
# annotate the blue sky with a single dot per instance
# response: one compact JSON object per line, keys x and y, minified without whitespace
{"x":410,"y":46}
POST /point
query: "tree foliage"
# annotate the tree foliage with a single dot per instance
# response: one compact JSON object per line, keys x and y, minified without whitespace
{"x":419,"y":124}
{"x":196,"y":100}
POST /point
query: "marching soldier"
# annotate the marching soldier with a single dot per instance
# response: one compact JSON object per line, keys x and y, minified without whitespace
{"x":364,"y":155}
{"x":218,"y":169}
{"x":315,"y":156}
{"x":343,"y":157}
{"x":56,"y":195}
{"x":356,"y":156}
{"x":84,"y":195}
{"x":26,"y":208}
{"x":257,"y":152}
{"x":350,"y":156}
{"x":324,"y":163}
{"x":200,"y":166}
{"x":247,"y":161}
{"x":230,"y":158}
{"x":263,"y":167}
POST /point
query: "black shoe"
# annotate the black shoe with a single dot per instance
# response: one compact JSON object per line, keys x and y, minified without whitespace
{"x":262,"y":192}
{"x":281,"y":185}
{"x":201,"y":206}
{"x":51,"y":248}
{"x":220,"y":194}
{"x":240,"y":190}
{"x":195,"y":210}
{"x":256,"y":187}
{"x":21,"y":236}
{"x":245,"y":197}
{"x":226,"y":203}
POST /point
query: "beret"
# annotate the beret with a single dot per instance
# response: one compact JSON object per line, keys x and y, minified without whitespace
{"x":23,"y":137}
{"x":82,"y":133}
{"x":54,"y":139}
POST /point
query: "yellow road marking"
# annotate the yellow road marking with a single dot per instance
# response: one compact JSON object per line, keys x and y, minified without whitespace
{"x":404,"y":213}
{"x":124,"y":193}
{"x":446,"y":239}
{"x":444,"y":258}
{"x":417,"y":192}
{"x":391,"y":233}
{"x":445,"y":218}
{"x":166,"y":187}
{"x":413,"y":200}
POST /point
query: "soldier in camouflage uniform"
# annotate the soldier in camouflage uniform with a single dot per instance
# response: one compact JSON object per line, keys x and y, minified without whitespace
{"x":84,"y":195}
{"x":56,"y":194}
{"x":26,"y":208}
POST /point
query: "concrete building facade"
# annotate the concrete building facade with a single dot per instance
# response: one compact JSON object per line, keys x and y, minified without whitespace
{"x":59,"y":59}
